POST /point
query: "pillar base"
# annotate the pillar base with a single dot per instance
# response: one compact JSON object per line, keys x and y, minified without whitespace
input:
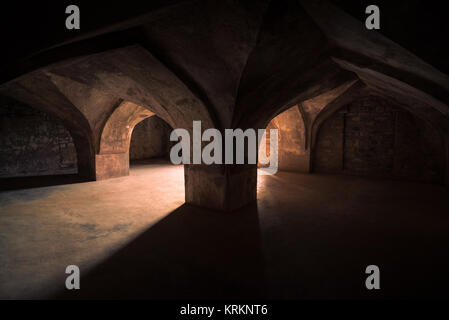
{"x":111,"y":165}
{"x":220,"y":187}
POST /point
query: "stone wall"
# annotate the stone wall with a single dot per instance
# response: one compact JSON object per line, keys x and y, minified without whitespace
{"x":150,"y":139}
{"x":372,"y":138}
{"x":32,"y":143}
{"x":328,"y":156}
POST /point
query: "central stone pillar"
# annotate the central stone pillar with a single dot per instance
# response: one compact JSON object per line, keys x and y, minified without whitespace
{"x":220,"y":187}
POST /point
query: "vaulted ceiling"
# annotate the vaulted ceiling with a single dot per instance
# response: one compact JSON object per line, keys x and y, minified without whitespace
{"x":226,"y":63}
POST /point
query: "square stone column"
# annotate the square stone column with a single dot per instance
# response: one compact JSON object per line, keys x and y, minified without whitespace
{"x":220,"y":187}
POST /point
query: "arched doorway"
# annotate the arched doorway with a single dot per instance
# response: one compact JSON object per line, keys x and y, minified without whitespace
{"x":293,"y":154}
{"x":149,"y":153}
{"x":150,"y":140}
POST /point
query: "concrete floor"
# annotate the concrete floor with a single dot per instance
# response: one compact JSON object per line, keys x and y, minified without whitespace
{"x":308,"y":236}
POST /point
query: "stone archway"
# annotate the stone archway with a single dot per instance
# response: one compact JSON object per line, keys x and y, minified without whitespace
{"x":293,"y":152}
{"x":113,"y":157}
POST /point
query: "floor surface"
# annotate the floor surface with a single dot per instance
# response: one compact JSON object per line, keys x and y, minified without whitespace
{"x":308,"y":236}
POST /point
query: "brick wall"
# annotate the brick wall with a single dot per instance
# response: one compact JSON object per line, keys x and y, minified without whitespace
{"x":369,"y":138}
{"x":329,"y":148}
{"x":372,"y":138}
{"x":32,"y":143}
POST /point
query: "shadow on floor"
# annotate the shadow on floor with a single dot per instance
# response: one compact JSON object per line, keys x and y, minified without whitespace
{"x":321,"y":232}
{"x":191,"y":253}
{"x":17,"y":183}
